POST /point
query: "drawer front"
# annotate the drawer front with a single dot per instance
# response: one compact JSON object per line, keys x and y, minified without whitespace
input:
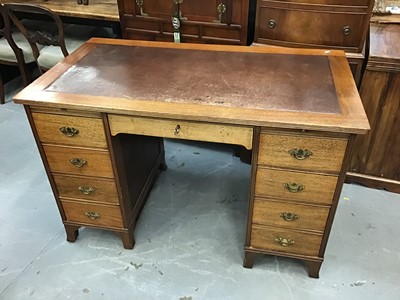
{"x":363,"y":3}
{"x":290,"y":151}
{"x":209,"y":132}
{"x":70,"y":130}
{"x":283,"y":240}
{"x":87,"y":189}
{"x":92,"y":214}
{"x":290,"y":215}
{"x":310,"y":27}
{"x":295,"y":186}
{"x":79,"y":161}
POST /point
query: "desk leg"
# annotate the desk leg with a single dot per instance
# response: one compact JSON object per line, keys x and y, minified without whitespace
{"x":72,"y":232}
{"x":163,"y":165}
{"x":249,"y":258}
{"x":127,"y":239}
{"x":313,"y":268}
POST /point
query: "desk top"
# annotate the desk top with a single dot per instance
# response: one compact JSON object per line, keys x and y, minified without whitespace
{"x":259,"y":86}
{"x":97,"y":9}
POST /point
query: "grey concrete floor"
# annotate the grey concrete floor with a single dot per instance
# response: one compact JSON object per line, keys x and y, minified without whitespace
{"x":189,"y":238}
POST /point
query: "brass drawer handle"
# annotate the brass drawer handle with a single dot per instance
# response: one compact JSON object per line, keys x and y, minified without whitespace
{"x":346,"y":30}
{"x":221,"y":9}
{"x":300,"y":154}
{"x":140,"y":4}
{"x":92,"y":215}
{"x":271,"y":24}
{"x":288,"y":216}
{"x":86,"y":190}
{"x":284,"y":242}
{"x":69,"y":131}
{"x":78,"y":162}
{"x":177,"y":129}
{"x":294,"y":187}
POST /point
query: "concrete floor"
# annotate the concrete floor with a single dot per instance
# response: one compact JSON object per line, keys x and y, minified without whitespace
{"x":189,"y":238}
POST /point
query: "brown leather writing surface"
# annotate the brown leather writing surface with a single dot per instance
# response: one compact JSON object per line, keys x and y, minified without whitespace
{"x":230,"y":79}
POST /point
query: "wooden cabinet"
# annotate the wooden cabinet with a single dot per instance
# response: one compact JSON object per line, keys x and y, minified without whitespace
{"x":77,"y":154}
{"x":326,"y":24}
{"x":295,"y":194}
{"x":376,"y":156}
{"x":209,"y":21}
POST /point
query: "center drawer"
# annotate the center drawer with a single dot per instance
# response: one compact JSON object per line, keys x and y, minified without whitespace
{"x":178,"y":129}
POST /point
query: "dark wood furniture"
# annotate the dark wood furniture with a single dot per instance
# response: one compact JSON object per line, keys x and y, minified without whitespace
{"x":375,"y":159}
{"x":297,"y":110}
{"x":326,"y":24}
{"x":210,"y":21}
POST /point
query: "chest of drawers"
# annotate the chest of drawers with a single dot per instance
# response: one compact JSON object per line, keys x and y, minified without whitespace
{"x":210,"y":21}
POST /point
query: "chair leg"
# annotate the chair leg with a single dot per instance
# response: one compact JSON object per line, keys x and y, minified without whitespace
{"x":2,"y":93}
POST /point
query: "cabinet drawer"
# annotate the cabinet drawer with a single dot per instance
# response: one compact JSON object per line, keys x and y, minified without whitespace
{"x":209,"y":132}
{"x":87,"y":189}
{"x":288,"y":151}
{"x":290,"y":215}
{"x":92,"y":162}
{"x":364,"y":3}
{"x":295,"y":186}
{"x":311,"y":27}
{"x":275,"y":239}
{"x":78,"y":131}
{"x":92,"y":214}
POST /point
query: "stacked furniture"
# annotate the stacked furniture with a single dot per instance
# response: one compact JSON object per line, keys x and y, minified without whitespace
{"x":325,"y":24}
{"x":376,"y":157}
{"x":220,"y":22}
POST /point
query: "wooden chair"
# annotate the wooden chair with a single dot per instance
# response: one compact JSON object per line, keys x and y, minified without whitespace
{"x":15,"y":53}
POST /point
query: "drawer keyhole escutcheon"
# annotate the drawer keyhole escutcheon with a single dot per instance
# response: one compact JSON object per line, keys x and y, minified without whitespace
{"x":271,"y":24}
{"x":346,"y":30}
{"x":177,"y":129}
{"x":284,"y":242}
{"x":69,"y":131}
{"x":221,"y":9}
{"x":140,"y":4}
{"x":288,"y":216}
{"x":294,"y":187}
{"x":86,"y":190}
{"x":78,"y":162}
{"x":92,"y":215}
{"x":300,"y":154}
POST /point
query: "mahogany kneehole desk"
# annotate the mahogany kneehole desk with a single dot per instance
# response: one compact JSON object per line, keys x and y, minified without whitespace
{"x":100,"y":115}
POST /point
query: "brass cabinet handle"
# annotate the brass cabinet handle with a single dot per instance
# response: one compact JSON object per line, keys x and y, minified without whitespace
{"x":140,"y":4}
{"x":300,"y":154}
{"x":69,"y":131}
{"x":92,"y":215}
{"x":271,"y":24}
{"x":221,"y":9}
{"x":177,"y":129}
{"x":78,"y":162}
{"x":86,"y":190}
{"x":294,"y":187}
{"x":284,"y":242}
{"x":346,"y":30}
{"x":288,"y":216}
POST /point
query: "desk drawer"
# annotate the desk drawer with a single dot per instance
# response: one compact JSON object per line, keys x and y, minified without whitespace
{"x":79,"y":161}
{"x":289,"y":151}
{"x":209,"y":132}
{"x":295,"y":186}
{"x":92,"y":214}
{"x":86,"y":189}
{"x":284,"y":240}
{"x":78,"y":131}
{"x":290,"y":215}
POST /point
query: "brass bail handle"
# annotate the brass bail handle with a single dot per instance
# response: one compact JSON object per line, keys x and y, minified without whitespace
{"x":92,"y":215}
{"x":284,"y":242}
{"x":69,"y":131}
{"x":300,"y":154}
{"x":78,"y":162}
{"x":294,"y":187}
{"x":221,"y":9}
{"x":86,"y":190}
{"x":177,"y":129}
{"x":288,"y":216}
